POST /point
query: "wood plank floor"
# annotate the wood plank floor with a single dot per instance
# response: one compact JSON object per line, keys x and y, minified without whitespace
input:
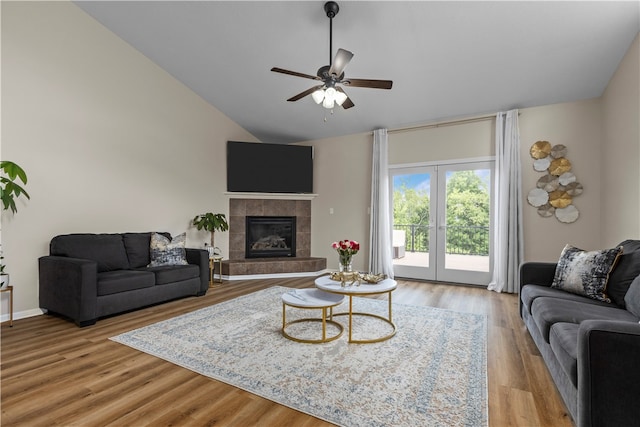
{"x":56,"y":374}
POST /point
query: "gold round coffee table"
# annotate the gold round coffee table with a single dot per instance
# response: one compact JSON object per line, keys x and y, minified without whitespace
{"x":385,"y":286}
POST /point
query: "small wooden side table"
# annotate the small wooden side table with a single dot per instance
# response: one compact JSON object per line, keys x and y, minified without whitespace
{"x":212,"y":267}
{"x":10,"y":290}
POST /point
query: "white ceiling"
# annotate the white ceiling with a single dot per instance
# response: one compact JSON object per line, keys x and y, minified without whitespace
{"x":447,"y":59}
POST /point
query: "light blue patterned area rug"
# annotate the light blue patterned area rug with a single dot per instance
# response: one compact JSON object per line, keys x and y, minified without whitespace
{"x":433,"y":372}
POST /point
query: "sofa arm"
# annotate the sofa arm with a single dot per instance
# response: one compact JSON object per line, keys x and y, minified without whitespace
{"x":537,"y":273}
{"x":200,"y":257}
{"x":608,"y":374}
{"x":68,"y":286}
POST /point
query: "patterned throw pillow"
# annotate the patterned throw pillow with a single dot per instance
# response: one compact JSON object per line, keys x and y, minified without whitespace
{"x":164,"y":251}
{"x":585,"y":273}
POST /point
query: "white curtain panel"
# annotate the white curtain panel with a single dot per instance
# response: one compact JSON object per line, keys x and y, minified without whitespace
{"x":507,"y":237}
{"x":380,"y":260}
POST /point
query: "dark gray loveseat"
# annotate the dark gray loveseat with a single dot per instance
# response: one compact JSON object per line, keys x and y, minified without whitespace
{"x":89,"y":276}
{"x":591,"y":348}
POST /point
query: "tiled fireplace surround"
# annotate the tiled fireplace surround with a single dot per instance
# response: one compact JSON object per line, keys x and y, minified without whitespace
{"x":238,"y":265}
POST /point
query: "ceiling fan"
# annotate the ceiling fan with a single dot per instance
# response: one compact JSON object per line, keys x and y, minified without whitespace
{"x":329,"y":93}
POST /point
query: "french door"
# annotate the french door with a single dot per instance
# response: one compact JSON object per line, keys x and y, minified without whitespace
{"x":442,"y":222}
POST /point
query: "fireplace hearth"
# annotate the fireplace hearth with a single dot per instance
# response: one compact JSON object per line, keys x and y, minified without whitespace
{"x":270,"y":236}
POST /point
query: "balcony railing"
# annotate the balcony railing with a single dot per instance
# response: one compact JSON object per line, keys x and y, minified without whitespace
{"x":471,"y":240}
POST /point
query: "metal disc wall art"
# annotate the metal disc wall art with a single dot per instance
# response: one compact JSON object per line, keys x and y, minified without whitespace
{"x":538,"y":197}
{"x":540,"y":149}
{"x":559,"y":166}
{"x":541,"y":165}
{"x":568,"y":214}
{"x":554,"y":192}
{"x":559,"y":199}
{"x":548,"y":183}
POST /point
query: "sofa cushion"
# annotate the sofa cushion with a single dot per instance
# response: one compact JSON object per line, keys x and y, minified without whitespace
{"x":113,"y":282}
{"x":173,"y":273}
{"x":106,"y":249}
{"x":530,"y":292}
{"x":563,"y":338}
{"x":164,"y":251}
{"x":547,"y":311}
{"x":138,"y":246}
{"x":585,"y":273}
{"x":632,"y":298}
{"x":627,"y":268}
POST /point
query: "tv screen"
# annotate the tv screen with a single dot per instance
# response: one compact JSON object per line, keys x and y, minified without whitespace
{"x":269,"y":168}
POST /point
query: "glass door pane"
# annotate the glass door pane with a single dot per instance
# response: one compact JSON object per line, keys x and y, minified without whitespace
{"x":413,"y":250}
{"x":464,"y":223}
{"x":442,"y":222}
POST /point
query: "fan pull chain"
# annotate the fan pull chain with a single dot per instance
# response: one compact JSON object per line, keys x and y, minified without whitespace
{"x":325,"y":114}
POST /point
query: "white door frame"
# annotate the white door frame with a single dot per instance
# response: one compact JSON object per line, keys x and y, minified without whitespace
{"x":428,"y":271}
{"x":436,"y":269}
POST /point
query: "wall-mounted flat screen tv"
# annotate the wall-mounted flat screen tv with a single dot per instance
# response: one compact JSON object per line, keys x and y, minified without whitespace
{"x":269,"y":168}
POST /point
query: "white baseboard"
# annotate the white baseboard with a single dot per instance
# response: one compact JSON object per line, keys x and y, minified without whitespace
{"x":22,"y":314}
{"x":275,"y":276}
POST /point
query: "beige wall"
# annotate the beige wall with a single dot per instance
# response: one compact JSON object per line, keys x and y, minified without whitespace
{"x":110,"y":142}
{"x":342,"y":180}
{"x":345,"y":163}
{"x":577,"y":125}
{"x":620,"y":151}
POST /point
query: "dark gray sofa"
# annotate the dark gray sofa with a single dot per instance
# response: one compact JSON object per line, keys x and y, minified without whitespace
{"x":591,"y":348}
{"x":89,"y":276}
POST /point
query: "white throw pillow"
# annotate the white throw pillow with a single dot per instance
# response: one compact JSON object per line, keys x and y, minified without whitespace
{"x":164,"y":251}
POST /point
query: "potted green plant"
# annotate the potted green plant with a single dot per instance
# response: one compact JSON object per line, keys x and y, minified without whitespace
{"x":9,"y":187}
{"x":212,"y":223}
{"x":10,"y":190}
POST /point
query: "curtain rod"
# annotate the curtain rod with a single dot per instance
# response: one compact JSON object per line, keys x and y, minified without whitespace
{"x":445,"y":123}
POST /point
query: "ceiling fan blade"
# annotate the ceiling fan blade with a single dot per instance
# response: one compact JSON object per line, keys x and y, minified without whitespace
{"x":348,"y":103}
{"x":340,"y":62}
{"x":294,"y":73}
{"x":376,"y":84}
{"x":305,"y":93}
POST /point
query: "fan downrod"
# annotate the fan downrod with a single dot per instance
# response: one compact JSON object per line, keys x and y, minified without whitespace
{"x":331,"y":8}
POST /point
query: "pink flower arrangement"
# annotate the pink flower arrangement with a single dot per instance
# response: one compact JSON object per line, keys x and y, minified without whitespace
{"x":346,"y":247}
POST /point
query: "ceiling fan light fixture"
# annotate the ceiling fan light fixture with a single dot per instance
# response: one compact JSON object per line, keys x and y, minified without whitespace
{"x":318,"y":96}
{"x":340,"y":97}
{"x":327,"y":93}
{"x":328,"y":102}
{"x":330,"y":96}
{"x":330,"y":93}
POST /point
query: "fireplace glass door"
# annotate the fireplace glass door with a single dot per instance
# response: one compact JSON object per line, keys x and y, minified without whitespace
{"x":270,"y":236}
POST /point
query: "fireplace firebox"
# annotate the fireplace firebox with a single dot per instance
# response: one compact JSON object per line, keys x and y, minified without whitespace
{"x":270,"y":236}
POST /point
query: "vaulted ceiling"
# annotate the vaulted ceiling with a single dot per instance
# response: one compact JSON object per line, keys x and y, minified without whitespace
{"x":447,"y":59}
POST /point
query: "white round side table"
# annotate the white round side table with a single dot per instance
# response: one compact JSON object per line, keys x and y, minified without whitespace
{"x":312,"y":299}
